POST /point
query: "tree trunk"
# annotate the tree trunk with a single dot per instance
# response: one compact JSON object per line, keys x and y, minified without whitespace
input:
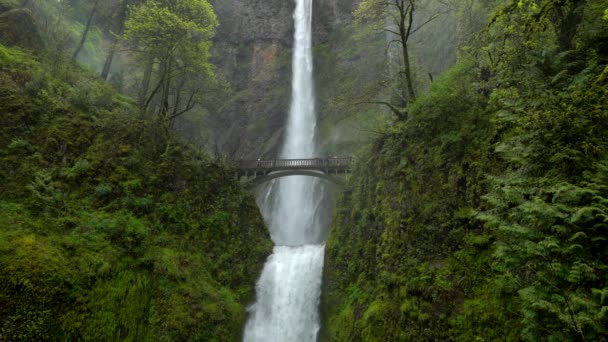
{"x":164,"y":109}
{"x":164,"y":86}
{"x":145,"y":83}
{"x":86,"y":32}
{"x":108,"y":63}
{"x":570,"y":18}
{"x":407,"y":71}
{"x":405,"y":29}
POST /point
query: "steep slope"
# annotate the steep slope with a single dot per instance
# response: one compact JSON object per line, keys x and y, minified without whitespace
{"x":483,"y":216}
{"x":111,"y":227}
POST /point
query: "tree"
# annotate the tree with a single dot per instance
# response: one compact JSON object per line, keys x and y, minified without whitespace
{"x":116,"y":18}
{"x":562,"y":15}
{"x":87,"y":27}
{"x":172,"y":38}
{"x":398,"y":18}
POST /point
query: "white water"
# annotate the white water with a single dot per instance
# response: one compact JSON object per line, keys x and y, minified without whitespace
{"x":288,"y":296}
{"x":289,"y":289}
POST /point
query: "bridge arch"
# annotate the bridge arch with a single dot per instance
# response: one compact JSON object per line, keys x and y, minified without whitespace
{"x":279,"y":174}
{"x":260,"y":171}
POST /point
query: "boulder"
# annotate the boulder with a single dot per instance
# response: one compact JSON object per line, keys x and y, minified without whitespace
{"x":18,"y":28}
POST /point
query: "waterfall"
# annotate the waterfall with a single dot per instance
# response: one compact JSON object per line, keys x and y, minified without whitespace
{"x":289,"y":289}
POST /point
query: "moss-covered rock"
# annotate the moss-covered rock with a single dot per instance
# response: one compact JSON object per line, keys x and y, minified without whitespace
{"x":482,"y":217}
{"x":112,"y":228}
{"x":18,"y":28}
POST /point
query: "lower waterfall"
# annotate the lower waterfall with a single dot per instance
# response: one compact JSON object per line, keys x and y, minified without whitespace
{"x":288,"y":295}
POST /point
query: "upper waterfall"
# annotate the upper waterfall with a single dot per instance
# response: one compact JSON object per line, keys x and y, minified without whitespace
{"x":294,"y":221}
{"x":288,"y":292}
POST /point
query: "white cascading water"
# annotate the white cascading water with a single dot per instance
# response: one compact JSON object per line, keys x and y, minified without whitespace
{"x":289,"y":289}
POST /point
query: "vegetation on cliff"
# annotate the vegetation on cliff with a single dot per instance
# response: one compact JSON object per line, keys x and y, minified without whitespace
{"x":112,"y":227}
{"x":482,"y":217}
{"x":478,"y":213}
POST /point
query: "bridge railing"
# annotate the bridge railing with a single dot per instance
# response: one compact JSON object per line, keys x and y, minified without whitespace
{"x":314,"y":163}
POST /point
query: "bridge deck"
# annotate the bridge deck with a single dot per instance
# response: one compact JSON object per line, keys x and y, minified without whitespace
{"x":319,"y":164}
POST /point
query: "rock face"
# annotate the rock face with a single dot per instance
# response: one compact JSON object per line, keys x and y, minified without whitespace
{"x":17,"y":28}
{"x":253,"y":51}
{"x":329,"y":13}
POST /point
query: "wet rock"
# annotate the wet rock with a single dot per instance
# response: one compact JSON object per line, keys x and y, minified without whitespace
{"x":253,"y":51}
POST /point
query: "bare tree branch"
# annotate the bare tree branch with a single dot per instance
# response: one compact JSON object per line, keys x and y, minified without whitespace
{"x":401,"y":114}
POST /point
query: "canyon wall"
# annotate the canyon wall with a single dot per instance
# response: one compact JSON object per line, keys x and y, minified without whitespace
{"x":253,"y":51}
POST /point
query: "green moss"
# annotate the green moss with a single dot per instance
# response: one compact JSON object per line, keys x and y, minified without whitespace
{"x":341,"y":326}
{"x":110,"y":228}
{"x":8,"y":4}
{"x":480,"y":217}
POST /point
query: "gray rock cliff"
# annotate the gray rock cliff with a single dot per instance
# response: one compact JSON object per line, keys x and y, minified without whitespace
{"x":253,"y":51}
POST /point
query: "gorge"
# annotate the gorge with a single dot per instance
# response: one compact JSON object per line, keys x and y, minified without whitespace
{"x":289,"y":290}
{"x":475,"y":206}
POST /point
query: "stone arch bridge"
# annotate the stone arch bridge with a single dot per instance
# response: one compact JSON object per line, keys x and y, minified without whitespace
{"x":255,"y":172}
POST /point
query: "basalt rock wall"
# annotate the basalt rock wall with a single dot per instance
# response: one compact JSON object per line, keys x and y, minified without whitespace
{"x":253,"y":51}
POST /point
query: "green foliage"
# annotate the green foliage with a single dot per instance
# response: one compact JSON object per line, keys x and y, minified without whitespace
{"x":110,"y":227}
{"x":162,"y":25}
{"x":431,"y":168}
{"x":483,"y":216}
{"x":177,"y":35}
{"x":5,"y":5}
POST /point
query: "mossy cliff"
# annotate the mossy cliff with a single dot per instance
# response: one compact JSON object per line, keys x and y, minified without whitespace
{"x":482,"y":216}
{"x":111,"y":227}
